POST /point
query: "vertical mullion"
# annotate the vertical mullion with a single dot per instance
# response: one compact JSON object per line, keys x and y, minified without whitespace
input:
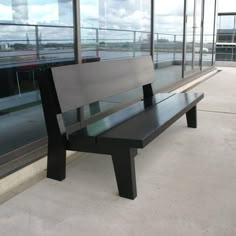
{"x":194,"y":32}
{"x":77,"y":33}
{"x":184,"y":38}
{"x":214,"y":34}
{"x":201,"y":33}
{"x":77,"y":46}
{"x":152,"y":29}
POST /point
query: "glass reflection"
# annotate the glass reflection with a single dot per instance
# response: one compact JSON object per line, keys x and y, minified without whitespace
{"x":34,"y":34}
{"x":208,"y":34}
{"x":115,"y":29}
{"x":112,"y":29}
{"x":168,"y":42}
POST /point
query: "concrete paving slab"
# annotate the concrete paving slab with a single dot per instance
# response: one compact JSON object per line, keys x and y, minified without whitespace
{"x":220,"y":92}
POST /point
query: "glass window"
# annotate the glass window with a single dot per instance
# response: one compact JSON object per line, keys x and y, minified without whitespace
{"x":190,"y":38}
{"x":168,"y":41}
{"x":34,"y":34}
{"x":208,"y":33}
{"x":115,"y":29}
{"x":6,"y":11}
{"x":197,"y":43}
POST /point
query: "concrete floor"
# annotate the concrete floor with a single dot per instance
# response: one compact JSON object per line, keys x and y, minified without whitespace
{"x":186,"y":183}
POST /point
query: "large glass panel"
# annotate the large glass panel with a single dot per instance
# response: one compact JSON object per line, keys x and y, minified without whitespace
{"x":197,"y":40}
{"x":189,"y":37}
{"x":168,"y":41}
{"x":114,"y":29}
{"x":34,"y":34}
{"x":193,"y":37}
{"x":208,"y":36}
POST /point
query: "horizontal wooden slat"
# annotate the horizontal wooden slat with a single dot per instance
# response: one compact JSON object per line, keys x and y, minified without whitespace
{"x":90,"y":132}
{"x":144,"y":127}
{"x":78,"y":85}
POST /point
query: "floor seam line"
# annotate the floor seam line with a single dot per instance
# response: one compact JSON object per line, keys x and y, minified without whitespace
{"x":220,"y":112}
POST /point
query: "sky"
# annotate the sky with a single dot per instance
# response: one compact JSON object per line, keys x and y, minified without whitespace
{"x":227,"y":6}
{"x":119,"y":14}
{"x":39,"y":11}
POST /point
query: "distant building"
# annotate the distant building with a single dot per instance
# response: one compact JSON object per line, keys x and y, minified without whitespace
{"x":4,"y":46}
{"x":226,"y":37}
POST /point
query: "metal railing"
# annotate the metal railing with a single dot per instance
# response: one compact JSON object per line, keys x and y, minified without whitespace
{"x":26,"y":44}
{"x":40,"y":44}
{"x":35,"y":44}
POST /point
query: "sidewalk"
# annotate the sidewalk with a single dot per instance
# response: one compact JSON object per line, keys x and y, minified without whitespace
{"x":186,"y":182}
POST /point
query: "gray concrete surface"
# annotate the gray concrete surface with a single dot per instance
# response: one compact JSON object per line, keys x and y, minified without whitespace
{"x":186,"y":183}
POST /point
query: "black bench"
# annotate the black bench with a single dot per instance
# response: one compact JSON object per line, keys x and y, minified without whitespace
{"x":118,"y":134}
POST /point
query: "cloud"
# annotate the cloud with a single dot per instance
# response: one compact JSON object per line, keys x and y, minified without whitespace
{"x":227,"y":6}
{"x":47,"y":13}
{"x":89,"y":15}
{"x":116,"y":14}
{"x":168,"y":8}
{"x":37,"y":11}
{"x":6,"y":13}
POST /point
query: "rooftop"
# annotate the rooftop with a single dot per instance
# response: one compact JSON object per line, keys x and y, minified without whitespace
{"x":186,"y":183}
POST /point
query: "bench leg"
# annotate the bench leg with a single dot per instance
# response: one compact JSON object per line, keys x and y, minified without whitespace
{"x":124,"y":166}
{"x":191,"y":116}
{"x":56,"y":166}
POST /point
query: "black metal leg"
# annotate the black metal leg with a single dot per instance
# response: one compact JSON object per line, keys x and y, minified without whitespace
{"x":191,"y":116}
{"x":56,"y":166}
{"x":124,"y":166}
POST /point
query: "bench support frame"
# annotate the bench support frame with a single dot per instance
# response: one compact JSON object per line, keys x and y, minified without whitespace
{"x":121,"y":152}
{"x":124,"y":167}
{"x":191,"y":116}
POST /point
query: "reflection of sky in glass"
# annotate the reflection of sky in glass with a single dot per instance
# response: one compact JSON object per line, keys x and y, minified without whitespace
{"x":133,"y":15}
{"x":114,"y":14}
{"x":42,"y":11}
{"x":5,"y":10}
{"x":227,"y":6}
{"x":169,"y":17}
{"x":45,"y":12}
{"x":38,"y":11}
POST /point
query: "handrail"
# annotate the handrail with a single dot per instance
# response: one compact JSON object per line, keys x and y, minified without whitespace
{"x":46,"y":49}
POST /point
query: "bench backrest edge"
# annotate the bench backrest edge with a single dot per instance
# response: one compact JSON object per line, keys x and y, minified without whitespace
{"x":81,"y":84}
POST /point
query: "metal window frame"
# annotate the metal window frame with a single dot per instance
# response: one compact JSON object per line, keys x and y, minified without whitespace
{"x":202,"y":34}
{"x":214,"y":34}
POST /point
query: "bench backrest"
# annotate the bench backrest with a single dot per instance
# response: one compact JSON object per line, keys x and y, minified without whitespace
{"x":82,"y":84}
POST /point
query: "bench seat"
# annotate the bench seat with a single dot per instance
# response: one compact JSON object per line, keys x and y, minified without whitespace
{"x":91,"y":132}
{"x":140,"y":130}
{"x":119,"y":133}
{"x":136,"y":126}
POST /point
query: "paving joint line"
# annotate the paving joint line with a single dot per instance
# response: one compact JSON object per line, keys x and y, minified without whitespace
{"x":222,"y":112}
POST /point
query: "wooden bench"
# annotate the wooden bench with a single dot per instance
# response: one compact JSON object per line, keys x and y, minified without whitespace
{"x":118,"y":134}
